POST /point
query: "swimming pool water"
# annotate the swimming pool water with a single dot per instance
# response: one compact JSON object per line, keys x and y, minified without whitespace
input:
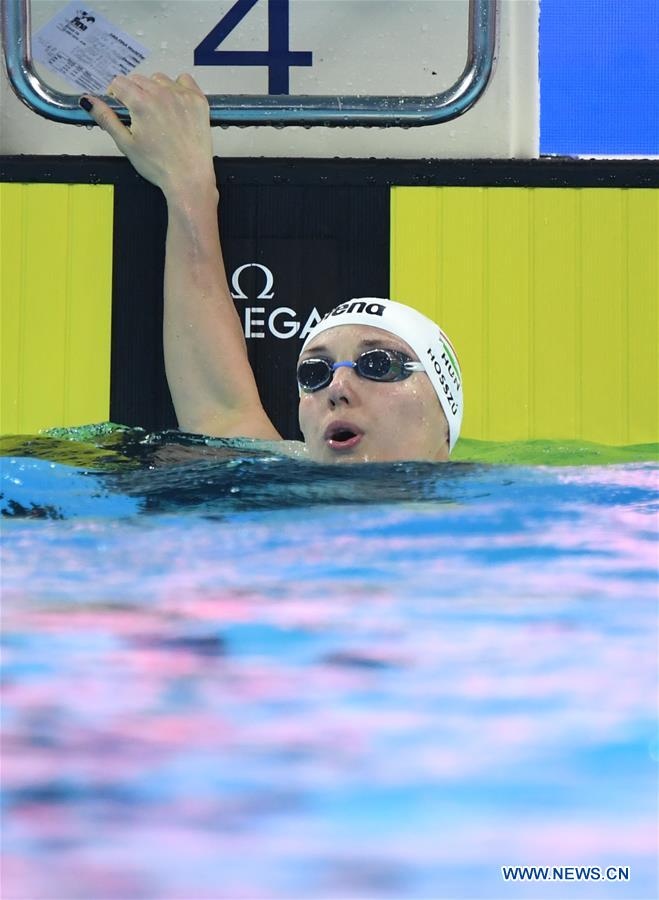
{"x":242,"y":676}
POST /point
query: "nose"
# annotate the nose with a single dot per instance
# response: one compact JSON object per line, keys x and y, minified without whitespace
{"x":341,"y":389}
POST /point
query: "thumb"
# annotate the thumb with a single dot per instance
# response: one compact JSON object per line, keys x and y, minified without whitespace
{"x":108,"y":120}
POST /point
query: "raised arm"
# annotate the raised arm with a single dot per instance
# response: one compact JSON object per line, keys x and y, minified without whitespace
{"x":169,"y":143}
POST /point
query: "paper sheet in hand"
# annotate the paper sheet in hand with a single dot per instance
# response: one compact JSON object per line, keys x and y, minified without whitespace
{"x":86,"y":49}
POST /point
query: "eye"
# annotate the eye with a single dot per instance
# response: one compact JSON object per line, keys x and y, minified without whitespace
{"x":314,"y":373}
{"x":384,"y":364}
{"x":377,"y":363}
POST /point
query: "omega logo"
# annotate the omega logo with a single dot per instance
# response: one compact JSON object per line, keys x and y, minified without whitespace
{"x":281,"y":322}
{"x":266,"y":294}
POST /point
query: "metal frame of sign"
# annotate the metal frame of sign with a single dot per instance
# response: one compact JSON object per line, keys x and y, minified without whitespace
{"x":273,"y":109}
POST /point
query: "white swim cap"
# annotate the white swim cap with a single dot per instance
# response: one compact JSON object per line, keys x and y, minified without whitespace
{"x":423,"y":335}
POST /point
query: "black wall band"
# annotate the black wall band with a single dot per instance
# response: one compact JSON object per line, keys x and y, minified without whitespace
{"x":546,"y":172}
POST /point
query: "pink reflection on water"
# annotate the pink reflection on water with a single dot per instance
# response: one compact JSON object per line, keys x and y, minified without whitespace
{"x":201,"y":768}
{"x":644,"y":476}
{"x":241,"y":865}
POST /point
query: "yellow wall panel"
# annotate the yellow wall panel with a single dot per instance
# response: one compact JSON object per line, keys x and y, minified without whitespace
{"x":418,"y":246}
{"x":554,"y":329}
{"x":550,"y":296}
{"x":642,"y":310}
{"x":43,"y":305}
{"x":11,"y":289}
{"x":90,"y":309}
{"x":604,"y":346}
{"x":56,"y":305}
{"x":506,"y":313}
{"x":463,"y":266}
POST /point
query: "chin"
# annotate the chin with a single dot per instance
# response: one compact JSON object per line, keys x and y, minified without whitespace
{"x":329,"y":458}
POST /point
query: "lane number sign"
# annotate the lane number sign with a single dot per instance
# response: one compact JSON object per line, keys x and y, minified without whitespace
{"x":278,"y":58}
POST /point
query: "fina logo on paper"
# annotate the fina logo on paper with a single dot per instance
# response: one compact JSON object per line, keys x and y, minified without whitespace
{"x":281,"y":322}
{"x":80,"y":22}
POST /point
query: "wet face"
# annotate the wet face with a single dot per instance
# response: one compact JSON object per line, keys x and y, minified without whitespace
{"x":355,"y":419}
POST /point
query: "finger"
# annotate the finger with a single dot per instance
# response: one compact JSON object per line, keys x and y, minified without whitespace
{"x":142,"y":81}
{"x":161,"y":78}
{"x":187,"y":81}
{"x":126,"y":90}
{"x":109,"y":121}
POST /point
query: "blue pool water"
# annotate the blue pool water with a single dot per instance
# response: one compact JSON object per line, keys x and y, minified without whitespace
{"x":228,"y":674}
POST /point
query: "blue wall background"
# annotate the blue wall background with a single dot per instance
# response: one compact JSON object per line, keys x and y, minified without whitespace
{"x":599,"y":77}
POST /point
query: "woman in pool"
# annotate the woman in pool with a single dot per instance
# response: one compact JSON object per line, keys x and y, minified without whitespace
{"x":378,"y":381}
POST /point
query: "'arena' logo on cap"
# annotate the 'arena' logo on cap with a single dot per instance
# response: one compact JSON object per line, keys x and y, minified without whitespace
{"x":357,"y":306}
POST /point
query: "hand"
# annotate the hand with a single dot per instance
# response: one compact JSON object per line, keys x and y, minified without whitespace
{"x":169,"y":139}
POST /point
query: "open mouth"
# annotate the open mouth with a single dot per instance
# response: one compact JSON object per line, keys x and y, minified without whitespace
{"x":342,"y":437}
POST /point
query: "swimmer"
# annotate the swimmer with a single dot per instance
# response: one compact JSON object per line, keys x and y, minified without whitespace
{"x":377,"y":380}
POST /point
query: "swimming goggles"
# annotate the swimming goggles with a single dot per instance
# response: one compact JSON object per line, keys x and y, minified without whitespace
{"x":376,"y":365}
